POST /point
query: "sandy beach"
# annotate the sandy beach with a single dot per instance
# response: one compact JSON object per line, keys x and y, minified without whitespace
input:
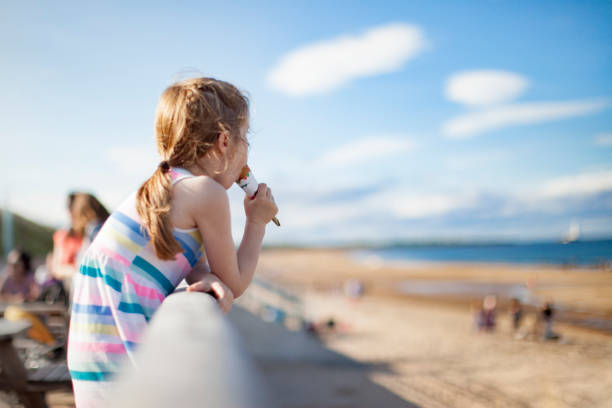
{"x":424,"y":349}
{"x":396,"y":348}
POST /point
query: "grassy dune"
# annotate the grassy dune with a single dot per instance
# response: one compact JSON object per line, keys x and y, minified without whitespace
{"x":29,"y":236}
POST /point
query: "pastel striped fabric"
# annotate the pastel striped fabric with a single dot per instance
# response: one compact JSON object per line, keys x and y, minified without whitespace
{"x":119,"y":286}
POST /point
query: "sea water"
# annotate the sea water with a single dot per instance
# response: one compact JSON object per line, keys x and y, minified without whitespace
{"x":581,"y":253}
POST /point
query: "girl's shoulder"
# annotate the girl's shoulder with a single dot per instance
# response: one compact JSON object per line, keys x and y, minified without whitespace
{"x":199,"y":194}
{"x":199,"y":188}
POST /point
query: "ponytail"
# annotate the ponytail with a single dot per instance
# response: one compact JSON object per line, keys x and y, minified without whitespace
{"x":153,"y":207}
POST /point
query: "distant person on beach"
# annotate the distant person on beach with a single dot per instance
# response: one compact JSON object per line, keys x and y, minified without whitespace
{"x":548,"y":312}
{"x":157,"y":236}
{"x":353,"y":289}
{"x":516,"y":314}
{"x":487,"y":314}
{"x":17,"y":283}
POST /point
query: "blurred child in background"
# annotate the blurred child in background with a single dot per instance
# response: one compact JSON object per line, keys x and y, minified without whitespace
{"x":17,"y":283}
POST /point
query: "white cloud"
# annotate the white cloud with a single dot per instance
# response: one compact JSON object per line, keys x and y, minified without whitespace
{"x":297,"y":215}
{"x":328,"y":64}
{"x":486,"y":87}
{"x":604,"y":139}
{"x":476,"y":160}
{"x":470,"y":124}
{"x":394,"y":202}
{"x":412,"y":206}
{"x":578,"y":185}
{"x":556,"y":195}
{"x":365,"y":150}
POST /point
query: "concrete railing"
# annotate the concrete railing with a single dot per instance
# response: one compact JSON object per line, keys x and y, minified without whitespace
{"x":191,"y":356}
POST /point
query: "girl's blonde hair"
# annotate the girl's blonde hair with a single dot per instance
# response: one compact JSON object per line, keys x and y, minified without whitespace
{"x":190,"y":116}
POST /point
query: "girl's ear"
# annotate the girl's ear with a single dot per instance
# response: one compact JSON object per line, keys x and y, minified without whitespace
{"x":223,"y":141}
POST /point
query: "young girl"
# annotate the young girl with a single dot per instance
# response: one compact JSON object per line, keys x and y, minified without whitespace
{"x":157,"y":236}
{"x":17,"y":283}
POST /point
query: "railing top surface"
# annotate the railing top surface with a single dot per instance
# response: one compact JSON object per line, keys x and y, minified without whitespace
{"x":192,"y":356}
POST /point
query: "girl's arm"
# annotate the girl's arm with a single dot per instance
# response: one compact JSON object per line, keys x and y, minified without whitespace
{"x":199,"y":271}
{"x":200,"y":279}
{"x":234,"y":268}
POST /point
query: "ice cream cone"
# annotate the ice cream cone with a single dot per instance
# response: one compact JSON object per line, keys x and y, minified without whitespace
{"x":249,"y":184}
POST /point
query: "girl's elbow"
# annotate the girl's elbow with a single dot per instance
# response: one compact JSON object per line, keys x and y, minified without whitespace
{"x":238,"y":291}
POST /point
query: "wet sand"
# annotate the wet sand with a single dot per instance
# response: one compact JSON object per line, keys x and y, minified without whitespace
{"x":430,"y":352}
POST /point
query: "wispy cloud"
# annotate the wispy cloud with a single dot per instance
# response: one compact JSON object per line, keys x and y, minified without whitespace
{"x":578,"y":185}
{"x":299,"y":216}
{"x":328,"y":64}
{"x":560,"y":195}
{"x":485,"y":87}
{"x":415,"y":206}
{"x":473,"y":123}
{"x":476,"y":160}
{"x":365,"y":150}
{"x":604,"y":139}
{"x":394,"y":203}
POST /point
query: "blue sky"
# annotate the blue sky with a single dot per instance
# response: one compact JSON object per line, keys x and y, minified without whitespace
{"x":371,"y":121}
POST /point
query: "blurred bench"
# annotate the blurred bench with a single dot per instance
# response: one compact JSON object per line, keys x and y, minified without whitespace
{"x":29,"y":385}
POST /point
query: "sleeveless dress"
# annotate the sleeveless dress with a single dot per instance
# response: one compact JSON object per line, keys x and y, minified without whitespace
{"x":119,"y":286}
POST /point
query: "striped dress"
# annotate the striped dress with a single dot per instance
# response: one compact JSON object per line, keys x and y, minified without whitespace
{"x":119,"y":286}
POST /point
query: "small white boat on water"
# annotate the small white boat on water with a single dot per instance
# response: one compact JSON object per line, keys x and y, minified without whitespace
{"x":573,"y":234}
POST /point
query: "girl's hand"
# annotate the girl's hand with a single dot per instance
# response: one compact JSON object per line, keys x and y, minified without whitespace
{"x":213,"y":285}
{"x":261,"y":208}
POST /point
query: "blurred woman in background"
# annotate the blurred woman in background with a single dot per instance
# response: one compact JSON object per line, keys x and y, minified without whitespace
{"x":87,"y":214}
{"x":90,"y":214}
